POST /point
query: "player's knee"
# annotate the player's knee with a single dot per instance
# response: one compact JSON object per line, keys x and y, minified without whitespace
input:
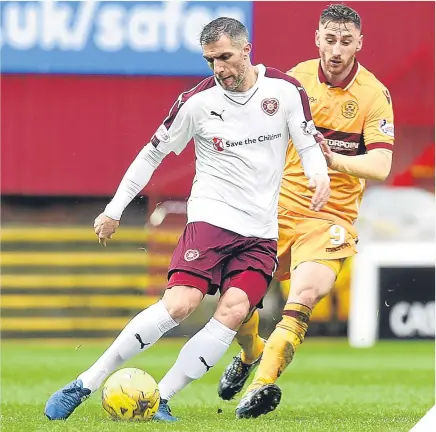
{"x":310,"y":282}
{"x":310,"y":294}
{"x":181,"y":301}
{"x":308,"y":298}
{"x":233,"y":308}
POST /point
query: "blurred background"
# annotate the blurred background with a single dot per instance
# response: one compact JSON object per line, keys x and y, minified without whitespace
{"x":84,"y":86}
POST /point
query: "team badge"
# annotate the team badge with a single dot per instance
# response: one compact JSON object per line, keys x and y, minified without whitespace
{"x":270,"y":106}
{"x":218,"y":144}
{"x":191,"y":255}
{"x":349,"y":109}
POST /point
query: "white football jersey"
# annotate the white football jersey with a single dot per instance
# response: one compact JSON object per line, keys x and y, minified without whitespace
{"x":241,"y":141}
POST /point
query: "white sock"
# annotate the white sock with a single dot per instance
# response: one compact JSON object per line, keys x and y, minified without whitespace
{"x":196,"y":357}
{"x":138,"y":335}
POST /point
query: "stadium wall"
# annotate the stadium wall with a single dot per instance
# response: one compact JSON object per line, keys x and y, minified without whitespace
{"x":71,"y":123}
{"x":69,"y":132}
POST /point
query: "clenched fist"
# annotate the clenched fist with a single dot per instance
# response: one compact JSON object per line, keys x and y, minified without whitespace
{"x":104,"y":227}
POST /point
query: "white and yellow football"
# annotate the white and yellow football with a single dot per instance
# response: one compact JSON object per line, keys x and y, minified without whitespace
{"x":131,"y":394}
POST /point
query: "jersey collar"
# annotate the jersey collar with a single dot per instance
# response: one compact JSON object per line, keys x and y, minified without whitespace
{"x":346,"y":83}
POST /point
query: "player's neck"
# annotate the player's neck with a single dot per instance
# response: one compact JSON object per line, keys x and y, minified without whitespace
{"x":336,"y":80}
{"x":250,"y":79}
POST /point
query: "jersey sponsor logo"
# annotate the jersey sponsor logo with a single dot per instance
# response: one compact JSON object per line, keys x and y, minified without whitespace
{"x":338,"y":248}
{"x":386,"y":128}
{"x":338,"y":145}
{"x":162,"y":134}
{"x":349,"y":109}
{"x":218,"y":144}
{"x":247,"y":141}
{"x":191,"y":255}
{"x":308,"y":127}
{"x":270,"y":106}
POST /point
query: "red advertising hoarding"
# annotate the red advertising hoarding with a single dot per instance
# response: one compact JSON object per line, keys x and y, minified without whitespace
{"x":76,"y":135}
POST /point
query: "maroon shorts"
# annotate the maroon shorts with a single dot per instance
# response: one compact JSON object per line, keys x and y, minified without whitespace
{"x":210,"y":258}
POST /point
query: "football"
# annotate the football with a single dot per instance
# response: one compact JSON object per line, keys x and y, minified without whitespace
{"x":131,"y":394}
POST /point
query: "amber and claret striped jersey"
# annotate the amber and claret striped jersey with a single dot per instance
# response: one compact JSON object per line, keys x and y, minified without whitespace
{"x":354,"y":117}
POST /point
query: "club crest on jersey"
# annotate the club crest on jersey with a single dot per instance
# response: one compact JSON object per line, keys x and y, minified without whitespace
{"x":308,"y":127}
{"x":349,"y":109}
{"x":218,"y":144}
{"x":191,"y":255}
{"x":270,"y":106}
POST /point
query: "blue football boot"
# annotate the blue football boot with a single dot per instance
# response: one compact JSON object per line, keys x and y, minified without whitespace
{"x":62,"y":403}
{"x":164,"y":412}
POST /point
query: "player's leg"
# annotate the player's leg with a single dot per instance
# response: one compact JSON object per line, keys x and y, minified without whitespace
{"x":317,"y":257}
{"x":144,"y":329}
{"x":249,"y":339}
{"x":238,"y":371}
{"x":311,"y":281}
{"x":139,"y":334}
{"x":207,"y":347}
{"x":243,"y":364}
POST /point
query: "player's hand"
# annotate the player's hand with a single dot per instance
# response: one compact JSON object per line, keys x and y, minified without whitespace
{"x":104,"y":227}
{"x":321,"y":184}
{"x":325,"y":148}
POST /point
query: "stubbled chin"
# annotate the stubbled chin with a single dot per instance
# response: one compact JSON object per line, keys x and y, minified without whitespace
{"x":336,"y":70}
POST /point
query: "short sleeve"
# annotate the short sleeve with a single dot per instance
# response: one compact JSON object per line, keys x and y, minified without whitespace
{"x":378,"y":129}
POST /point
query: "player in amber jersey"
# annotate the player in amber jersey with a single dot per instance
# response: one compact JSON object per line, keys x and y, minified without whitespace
{"x":353,"y":111}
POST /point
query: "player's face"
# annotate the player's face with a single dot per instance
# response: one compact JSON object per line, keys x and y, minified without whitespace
{"x":338,"y":44}
{"x":228,"y":62}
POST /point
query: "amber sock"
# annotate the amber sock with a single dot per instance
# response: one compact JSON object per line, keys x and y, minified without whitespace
{"x":281,"y":345}
{"x":249,"y":340}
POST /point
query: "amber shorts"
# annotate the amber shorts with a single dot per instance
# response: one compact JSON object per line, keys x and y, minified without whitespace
{"x":304,"y":239}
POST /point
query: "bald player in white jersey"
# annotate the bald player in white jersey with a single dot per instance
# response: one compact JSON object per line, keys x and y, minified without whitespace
{"x":241,"y":120}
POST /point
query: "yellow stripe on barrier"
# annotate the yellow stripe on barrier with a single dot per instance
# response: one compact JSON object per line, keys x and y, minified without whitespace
{"x":26,"y":324}
{"x":39,"y":281}
{"x":80,"y":234}
{"x":84,"y":259}
{"x":82,"y":301}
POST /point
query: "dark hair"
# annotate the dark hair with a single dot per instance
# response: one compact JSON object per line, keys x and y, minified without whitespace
{"x":339,"y":13}
{"x":230,"y":27}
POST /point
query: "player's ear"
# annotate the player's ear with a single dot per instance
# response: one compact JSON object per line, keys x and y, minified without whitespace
{"x":317,"y":38}
{"x":246,"y":50}
{"x":360,"y":43}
